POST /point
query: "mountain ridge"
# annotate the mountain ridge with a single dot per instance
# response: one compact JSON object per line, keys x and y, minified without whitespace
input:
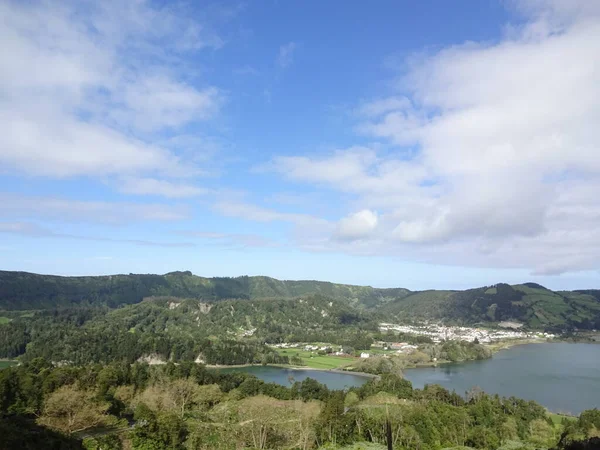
{"x":528,"y":303}
{"x":25,"y":290}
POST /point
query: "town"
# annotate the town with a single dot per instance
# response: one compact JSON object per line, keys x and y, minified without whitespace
{"x":436,"y":332}
{"x":439,"y":333}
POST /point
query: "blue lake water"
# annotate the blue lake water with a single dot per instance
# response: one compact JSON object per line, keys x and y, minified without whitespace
{"x":562,"y":377}
{"x":283,"y":376}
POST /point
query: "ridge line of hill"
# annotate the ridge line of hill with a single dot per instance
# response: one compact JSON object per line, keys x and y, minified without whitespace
{"x":529,"y":304}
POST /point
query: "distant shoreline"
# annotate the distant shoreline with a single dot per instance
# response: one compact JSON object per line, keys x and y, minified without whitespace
{"x":505,"y":345}
{"x":494,"y":348}
{"x":283,"y":366}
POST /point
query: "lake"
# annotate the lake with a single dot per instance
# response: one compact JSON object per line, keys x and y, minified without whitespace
{"x":280,"y":375}
{"x":562,"y":377}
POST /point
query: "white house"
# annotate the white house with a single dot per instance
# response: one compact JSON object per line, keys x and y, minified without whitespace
{"x":364,"y":355}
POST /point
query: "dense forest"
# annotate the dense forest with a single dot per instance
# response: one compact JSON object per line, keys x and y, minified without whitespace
{"x":186,"y":406}
{"x":27,"y":291}
{"x":105,"y":319}
{"x":226,"y":332}
{"x":529,"y":304}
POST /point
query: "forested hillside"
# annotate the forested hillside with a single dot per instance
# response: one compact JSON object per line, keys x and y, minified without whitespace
{"x":529,"y":304}
{"x":27,"y":291}
{"x":225,"y":332}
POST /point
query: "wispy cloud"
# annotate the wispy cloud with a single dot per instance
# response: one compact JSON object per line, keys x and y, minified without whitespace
{"x":383,"y":105}
{"x":163,"y":188}
{"x":236,"y":240}
{"x":33,"y":230}
{"x":285,"y":58}
{"x":256,"y":213}
{"x":61,"y":209}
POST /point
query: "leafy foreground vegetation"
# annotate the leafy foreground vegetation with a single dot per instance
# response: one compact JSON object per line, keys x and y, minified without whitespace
{"x":186,"y":406}
{"x":529,"y":304}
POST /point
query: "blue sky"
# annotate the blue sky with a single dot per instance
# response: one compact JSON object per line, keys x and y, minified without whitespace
{"x":420,"y":144}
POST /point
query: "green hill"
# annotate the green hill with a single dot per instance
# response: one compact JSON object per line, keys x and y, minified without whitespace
{"x":530,"y":304}
{"x":28,"y":291}
{"x":227,"y":331}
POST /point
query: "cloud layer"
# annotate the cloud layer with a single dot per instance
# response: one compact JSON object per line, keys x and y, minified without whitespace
{"x":481,"y":154}
{"x":84,"y":87}
{"x":492,"y":152}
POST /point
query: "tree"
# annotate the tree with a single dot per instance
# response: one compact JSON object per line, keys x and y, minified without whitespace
{"x":157,"y":430}
{"x":208,"y":396}
{"x":482,"y":437}
{"x":178,"y":396}
{"x":351,"y":399}
{"x":259,"y":417}
{"x":110,"y":442}
{"x":300,"y":430}
{"x":70,"y":409}
{"x":589,"y":419}
{"x":184,"y":393}
{"x":312,"y":389}
{"x":541,"y":433}
{"x":509,"y":430}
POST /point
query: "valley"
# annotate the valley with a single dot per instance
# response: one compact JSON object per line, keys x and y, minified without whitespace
{"x":161,"y":338}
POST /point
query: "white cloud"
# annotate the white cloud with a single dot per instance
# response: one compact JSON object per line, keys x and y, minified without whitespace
{"x":355,"y":170}
{"x":255,"y":213}
{"x":32,"y":230}
{"x":494,"y":160}
{"x":84,"y":84}
{"x":53,"y":144}
{"x":383,"y":105}
{"x":285,"y":58}
{"x":23,"y":228}
{"x":156,"y":102}
{"x":357,"y":226}
{"x":235,"y":240}
{"x":164,"y":188}
{"x":60,"y":209}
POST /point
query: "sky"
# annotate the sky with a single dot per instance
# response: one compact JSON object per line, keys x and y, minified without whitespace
{"x":426,"y":144}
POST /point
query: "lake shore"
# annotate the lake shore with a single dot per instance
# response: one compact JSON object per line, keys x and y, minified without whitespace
{"x":494,"y":348}
{"x":505,"y":345}
{"x":283,"y":366}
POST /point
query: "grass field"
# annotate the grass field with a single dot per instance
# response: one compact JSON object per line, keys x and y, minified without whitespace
{"x":558,"y":418}
{"x":315,"y":361}
{"x":381,"y":351}
{"x":4,"y":320}
{"x":5,"y":363}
